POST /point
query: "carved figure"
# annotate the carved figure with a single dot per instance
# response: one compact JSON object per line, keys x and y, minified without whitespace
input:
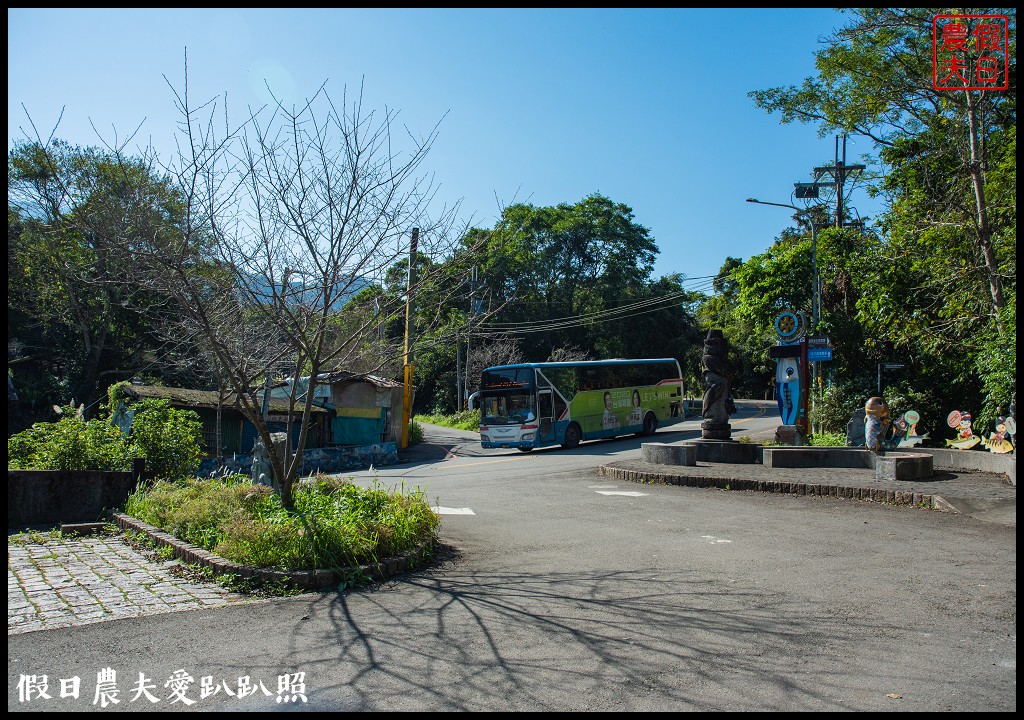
{"x":715,"y":377}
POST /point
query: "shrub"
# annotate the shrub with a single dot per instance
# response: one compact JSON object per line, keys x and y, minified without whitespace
{"x":832,"y":411}
{"x":464,"y":420}
{"x":70,"y":444}
{"x":170,"y":439}
{"x":333,"y":524}
{"x":828,"y":439}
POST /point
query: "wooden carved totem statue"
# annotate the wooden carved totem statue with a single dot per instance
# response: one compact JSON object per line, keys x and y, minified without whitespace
{"x":718,"y":404}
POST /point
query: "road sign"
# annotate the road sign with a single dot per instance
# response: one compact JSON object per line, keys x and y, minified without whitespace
{"x":819,"y":341}
{"x":893,"y":366}
{"x":819,"y":354}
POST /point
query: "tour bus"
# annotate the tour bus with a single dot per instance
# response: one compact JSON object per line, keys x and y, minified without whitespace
{"x":536,"y":405}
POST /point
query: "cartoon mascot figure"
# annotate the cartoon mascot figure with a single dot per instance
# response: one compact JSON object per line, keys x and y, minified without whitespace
{"x":876,"y":424}
{"x":965,"y":437}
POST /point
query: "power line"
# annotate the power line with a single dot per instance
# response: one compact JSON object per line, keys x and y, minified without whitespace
{"x":641,"y":307}
{"x":666,"y":299}
{"x":566,"y":323}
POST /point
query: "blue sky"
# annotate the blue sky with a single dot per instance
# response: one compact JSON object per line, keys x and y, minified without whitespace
{"x":647,"y":107}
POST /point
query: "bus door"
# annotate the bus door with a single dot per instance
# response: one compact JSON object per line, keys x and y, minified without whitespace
{"x":545,"y":412}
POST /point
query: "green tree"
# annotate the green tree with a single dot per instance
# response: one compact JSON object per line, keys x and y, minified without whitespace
{"x":932,"y":287}
{"x":875,"y":79}
{"x":75,"y":296}
{"x":580,"y":275}
{"x":169,"y":438}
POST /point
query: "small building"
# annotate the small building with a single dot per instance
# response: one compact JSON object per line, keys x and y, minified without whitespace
{"x":366,"y":409}
{"x":237,"y":434}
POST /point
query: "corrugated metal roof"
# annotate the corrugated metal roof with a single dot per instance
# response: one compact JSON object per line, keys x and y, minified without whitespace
{"x":341,"y":375}
{"x":184,"y":397}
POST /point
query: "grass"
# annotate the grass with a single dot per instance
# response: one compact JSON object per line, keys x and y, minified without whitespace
{"x":34,"y":537}
{"x":41,"y":537}
{"x":333,"y":524}
{"x":465,"y":420}
{"x":829,"y":439}
{"x":816,"y":440}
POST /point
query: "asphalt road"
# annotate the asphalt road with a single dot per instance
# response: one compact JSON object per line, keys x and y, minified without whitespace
{"x":558,"y":590}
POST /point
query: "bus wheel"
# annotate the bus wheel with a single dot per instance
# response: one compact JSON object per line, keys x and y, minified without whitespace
{"x":572,"y":436}
{"x":525,"y":449}
{"x":650,"y":424}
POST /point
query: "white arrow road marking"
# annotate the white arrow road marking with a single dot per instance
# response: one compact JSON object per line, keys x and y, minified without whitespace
{"x":627,"y":493}
{"x":453,"y":511}
{"x":713,"y":540}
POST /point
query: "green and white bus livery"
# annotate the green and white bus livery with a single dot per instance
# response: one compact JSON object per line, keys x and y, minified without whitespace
{"x":536,"y":405}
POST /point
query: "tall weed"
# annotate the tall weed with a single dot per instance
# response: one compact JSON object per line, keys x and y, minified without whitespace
{"x":333,"y":523}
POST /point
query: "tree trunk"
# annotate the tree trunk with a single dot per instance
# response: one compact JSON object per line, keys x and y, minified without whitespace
{"x":981,"y":210}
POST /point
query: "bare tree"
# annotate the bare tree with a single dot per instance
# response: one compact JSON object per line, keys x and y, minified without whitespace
{"x":289,"y":215}
{"x":497,"y":350}
{"x":568,"y":353}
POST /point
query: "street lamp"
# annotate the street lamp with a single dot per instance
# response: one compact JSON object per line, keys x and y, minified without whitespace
{"x":815,"y":289}
{"x":816,"y":286}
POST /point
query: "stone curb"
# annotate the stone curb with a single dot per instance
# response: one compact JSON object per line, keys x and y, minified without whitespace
{"x":880,"y":495}
{"x":305,"y":579}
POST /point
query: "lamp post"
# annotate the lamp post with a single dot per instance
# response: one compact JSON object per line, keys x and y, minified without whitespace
{"x":816,"y":287}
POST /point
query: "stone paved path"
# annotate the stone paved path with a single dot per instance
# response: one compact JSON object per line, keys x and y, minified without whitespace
{"x":64,"y":581}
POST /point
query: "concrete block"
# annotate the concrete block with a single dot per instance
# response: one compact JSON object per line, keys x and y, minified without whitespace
{"x":972,"y":461}
{"x":663,"y":454}
{"x":790,"y":435}
{"x":808,"y":456}
{"x":726,"y":451}
{"x":903,"y":466}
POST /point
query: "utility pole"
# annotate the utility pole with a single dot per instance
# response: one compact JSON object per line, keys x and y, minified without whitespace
{"x":473,"y":277}
{"x":407,"y":394}
{"x":458,"y":373}
{"x":839,"y":172}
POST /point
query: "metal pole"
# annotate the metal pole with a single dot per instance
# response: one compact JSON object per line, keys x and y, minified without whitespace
{"x":815,"y":312}
{"x":816,"y":290}
{"x":815,"y":297}
{"x":407,"y":388}
{"x":469,"y":330}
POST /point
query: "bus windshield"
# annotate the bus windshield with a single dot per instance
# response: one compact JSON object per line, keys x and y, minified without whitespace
{"x":506,"y":408}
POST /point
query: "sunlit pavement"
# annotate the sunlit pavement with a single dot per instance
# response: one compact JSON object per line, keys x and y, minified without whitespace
{"x":67,"y":581}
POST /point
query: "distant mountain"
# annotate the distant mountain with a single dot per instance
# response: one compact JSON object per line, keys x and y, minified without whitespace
{"x":302,"y":293}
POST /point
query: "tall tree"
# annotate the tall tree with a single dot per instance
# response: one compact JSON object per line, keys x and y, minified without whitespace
{"x":75,"y":216}
{"x":946,"y":255}
{"x":875,"y":79}
{"x":292,"y":213}
{"x":580,"y":275}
